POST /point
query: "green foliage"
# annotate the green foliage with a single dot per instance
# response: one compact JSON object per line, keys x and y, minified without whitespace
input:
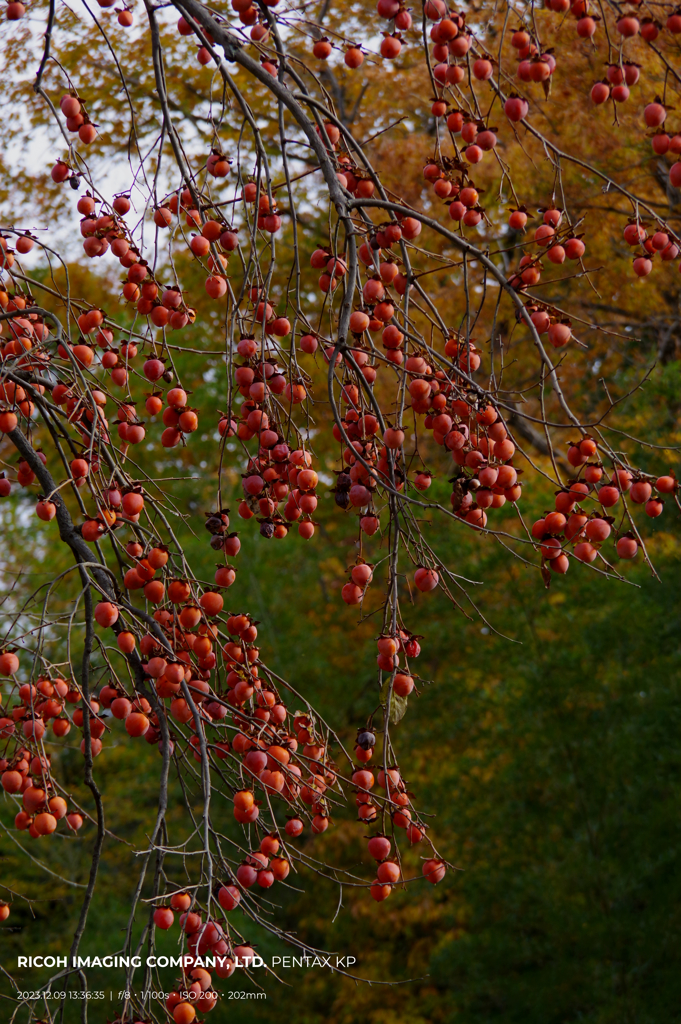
{"x":549,"y":761}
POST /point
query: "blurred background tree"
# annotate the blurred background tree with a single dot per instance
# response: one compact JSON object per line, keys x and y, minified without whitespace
{"x":547,"y":753}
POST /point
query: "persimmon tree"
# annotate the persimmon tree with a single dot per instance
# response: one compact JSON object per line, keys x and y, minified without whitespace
{"x":444,"y":325}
